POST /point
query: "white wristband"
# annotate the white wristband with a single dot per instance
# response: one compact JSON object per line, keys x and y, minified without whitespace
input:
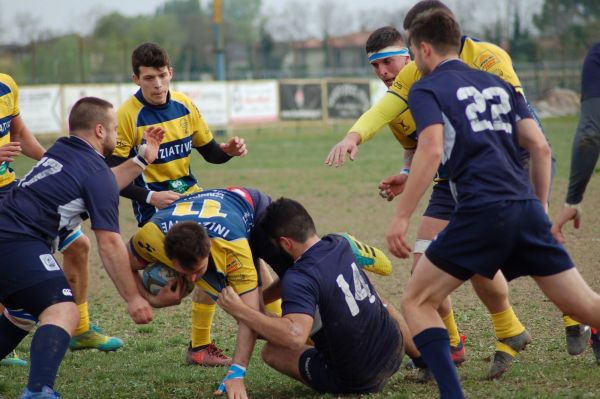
{"x":139,"y":162}
{"x":404,"y":171}
{"x":577,"y":208}
{"x":149,"y":197}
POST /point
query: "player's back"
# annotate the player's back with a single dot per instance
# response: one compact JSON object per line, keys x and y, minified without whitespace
{"x":69,"y":180}
{"x":479,"y":113}
{"x":357,"y":334}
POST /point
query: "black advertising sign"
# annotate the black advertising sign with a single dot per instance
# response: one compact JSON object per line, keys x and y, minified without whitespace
{"x":347,"y":100}
{"x":300,"y":101}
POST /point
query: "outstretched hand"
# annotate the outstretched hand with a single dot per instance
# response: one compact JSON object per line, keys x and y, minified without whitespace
{"x":337,"y":155}
{"x":235,"y":147}
{"x":392,"y":186}
{"x":153,"y":136}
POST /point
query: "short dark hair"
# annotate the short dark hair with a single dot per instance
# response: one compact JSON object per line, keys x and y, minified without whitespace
{"x":87,"y":113}
{"x":382,"y":38}
{"x":149,"y":55}
{"x":421,"y":7}
{"x":187,"y":242}
{"x":437,"y":28}
{"x":288,"y":218}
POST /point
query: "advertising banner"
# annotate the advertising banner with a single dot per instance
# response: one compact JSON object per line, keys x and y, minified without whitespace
{"x":300,"y":101}
{"x":347,"y":100}
{"x":40,"y":108}
{"x":253,"y":102}
{"x":210,"y":98}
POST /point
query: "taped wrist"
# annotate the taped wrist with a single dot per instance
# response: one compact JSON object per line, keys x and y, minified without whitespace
{"x":235,"y":371}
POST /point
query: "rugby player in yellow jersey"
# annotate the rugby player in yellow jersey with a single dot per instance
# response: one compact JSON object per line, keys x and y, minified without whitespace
{"x":15,"y":138}
{"x":170,"y":176}
{"x":512,"y":335}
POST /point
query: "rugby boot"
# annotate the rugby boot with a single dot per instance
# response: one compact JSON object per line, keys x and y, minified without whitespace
{"x":503,"y":360}
{"x":577,"y":337}
{"x":13,"y":360}
{"x":595,"y":342}
{"x":45,"y":393}
{"x":94,"y":338}
{"x":208,"y":356}
{"x":458,"y":352}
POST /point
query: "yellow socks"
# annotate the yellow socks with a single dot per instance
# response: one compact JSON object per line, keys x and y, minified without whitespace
{"x":84,"y":319}
{"x":506,"y":325}
{"x":202,"y":316}
{"x":569,"y":321}
{"x":274,"y":308}
{"x":452,"y":328}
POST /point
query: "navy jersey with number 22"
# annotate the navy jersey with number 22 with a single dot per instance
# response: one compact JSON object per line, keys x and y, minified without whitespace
{"x":481,"y":150}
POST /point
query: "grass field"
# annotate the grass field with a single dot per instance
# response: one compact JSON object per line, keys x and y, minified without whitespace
{"x":290,"y":163}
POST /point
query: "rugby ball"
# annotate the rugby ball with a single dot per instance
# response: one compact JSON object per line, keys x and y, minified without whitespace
{"x":156,"y":275}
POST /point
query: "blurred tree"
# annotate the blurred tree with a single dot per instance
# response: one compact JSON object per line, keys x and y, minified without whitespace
{"x":522,"y":46}
{"x":571,"y":25}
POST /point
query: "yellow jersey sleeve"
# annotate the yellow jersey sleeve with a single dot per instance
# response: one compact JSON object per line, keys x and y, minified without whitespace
{"x":126,"y":131}
{"x":234,"y":266}
{"x":147,"y":244}
{"x":490,"y":58}
{"x":14,"y":105}
{"x":383,"y":112}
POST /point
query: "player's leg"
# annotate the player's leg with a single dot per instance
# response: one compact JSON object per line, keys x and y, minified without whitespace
{"x":11,"y":358}
{"x":35,"y":284}
{"x":202,"y":351}
{"x":572,"y":295}
{"x":284,"y":360}
{"x":511,"y":335}
{"x":75,"y":247}
{"x":426,"y":290}
{"x":434,"y":221}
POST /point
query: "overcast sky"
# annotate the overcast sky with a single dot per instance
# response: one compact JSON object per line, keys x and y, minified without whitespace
{"x":64,"y":16}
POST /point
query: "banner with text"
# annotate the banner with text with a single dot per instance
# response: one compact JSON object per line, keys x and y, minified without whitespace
{"x":210,"y":98}
{"x":253,"y":102}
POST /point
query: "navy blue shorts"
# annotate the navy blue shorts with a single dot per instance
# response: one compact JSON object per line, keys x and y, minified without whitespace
{"x":442,"y":203}
{"x":319,"y":376}
{"x":260,"y":244}
{"x":512,"y":236}
{"x":26,"y":264}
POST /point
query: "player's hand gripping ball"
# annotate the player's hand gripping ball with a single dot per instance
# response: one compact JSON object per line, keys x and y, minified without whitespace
{"x":156,"y":275}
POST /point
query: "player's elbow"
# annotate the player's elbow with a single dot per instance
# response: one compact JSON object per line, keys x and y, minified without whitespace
{"x":541,"y":150}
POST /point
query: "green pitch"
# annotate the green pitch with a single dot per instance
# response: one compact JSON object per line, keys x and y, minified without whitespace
{"x":289,"y":162}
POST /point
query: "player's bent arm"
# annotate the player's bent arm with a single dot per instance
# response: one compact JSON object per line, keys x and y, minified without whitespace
{"x":425,"y":163}
{"x":29,"y":144}
{"x":424,"y":166}
{"x":272,"y":292}
{"x":290,"y":331}
{"x":532,"y":139}
{"x":114,"y":257}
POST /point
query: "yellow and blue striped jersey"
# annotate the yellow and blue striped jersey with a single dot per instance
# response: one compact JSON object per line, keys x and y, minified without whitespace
{"x":9,"y":108}
{"x":228,"y":219}
{"x":184,"y":128}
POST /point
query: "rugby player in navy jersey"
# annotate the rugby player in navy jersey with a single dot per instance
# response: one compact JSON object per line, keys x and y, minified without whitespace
{"x":474,"y":123}
{"x":71,"y":180}
{"x":326,"y":296}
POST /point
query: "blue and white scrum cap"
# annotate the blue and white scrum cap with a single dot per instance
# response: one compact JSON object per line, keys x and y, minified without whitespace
{"x":390,"y":51}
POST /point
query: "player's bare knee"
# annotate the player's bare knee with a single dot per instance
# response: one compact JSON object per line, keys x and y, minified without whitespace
{"x":79,"y":248}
